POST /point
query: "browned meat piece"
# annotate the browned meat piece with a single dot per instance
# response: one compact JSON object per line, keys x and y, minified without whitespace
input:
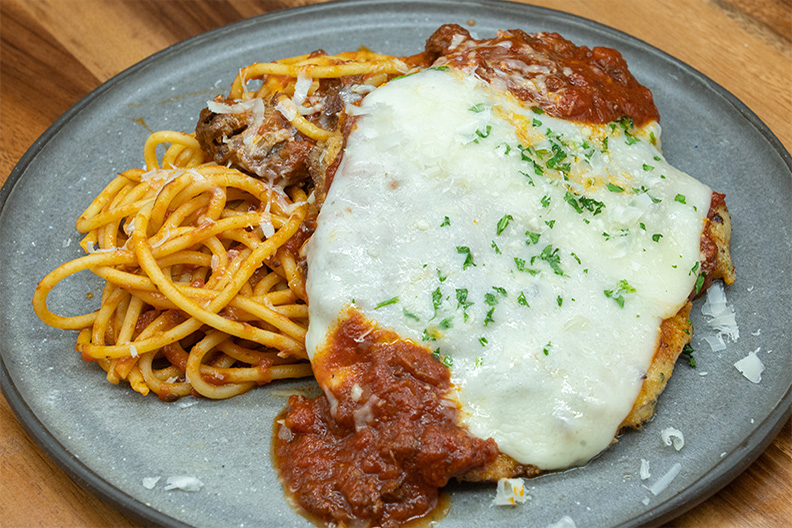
{"x":258,"y":140}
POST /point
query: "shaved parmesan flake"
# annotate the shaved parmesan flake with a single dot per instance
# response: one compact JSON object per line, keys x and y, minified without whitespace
{"x":644,"y":472}
{"x":66,"y":243}
{"x":236,"y":108}
{"x":301,"y":88}
{"x":751,"y":367}
{"x":645,"y":501}
{"x":184,"y":483}
{"x":510,"y":492}
{"x":564,"y":522}
{"x":150,"y":482}
{"x":671,"y":435}
{"x":715,"y":342}
{"x":133,"y":351}
{"x":663,"y":482}
{"x":721,"y":315}
{"x":288,"y":109}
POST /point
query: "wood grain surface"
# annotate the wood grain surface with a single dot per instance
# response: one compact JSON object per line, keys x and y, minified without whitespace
{"x":55,"y":51}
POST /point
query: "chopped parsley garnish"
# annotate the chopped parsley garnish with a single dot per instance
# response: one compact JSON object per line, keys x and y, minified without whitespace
{"x":488,"y":319}
{"x":477,"y":108}
{"x":410,"y":314}
{"x":575,"y":257}
{"x":437,"y":299}
{"x":462,"y":302}
{"x":618,"y":294}
{"x":500,"y":290}
{"x":631,"y":140}
{"x":490,"y":299}
{"x":446,"y":221}
{"x":615,"y":188}
{"x":652,"y":139}
{"x":560,"y":300}
{"x":439,"y":68}
{"x":483,"y":341}
{"x":550,"y":256}
{"x":503,"y":223}
{"x":536,"y":123}
{"x":694,"y":269}
{"x":496,"y":248}
{"x":700,"y":282}
{"x":559,"y":155}
{"x":520,"y":263}
{"x":426,"y":336}
{"x":550,"y":223}
{"x":485,"y":133}
{"x":440,"y":275}
{"x":680,"y":198}
{"x":392,"y":300}
{"x":464,"y":250}
{"x":656,"y":237}
{"x":547,"y":348}
{"x":537,"y":110}
{"x":643,"y":226}
{"x":522,"y":301}
{"x":533,"y":238}
{"x":647,"y":167}
{"x":592,"y":205}
{"x":447,"y":323}
{"x":571,"y":200}
{"x":528,"y":176}
{"x":687,"y":353}
{"x":448,"y":361}
{"x":480,"y":360}
{"x":545,"y":201}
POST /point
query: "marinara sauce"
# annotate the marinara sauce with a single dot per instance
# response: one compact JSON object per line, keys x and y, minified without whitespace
{"x":566,"y":81}
{"x":377,"y":446}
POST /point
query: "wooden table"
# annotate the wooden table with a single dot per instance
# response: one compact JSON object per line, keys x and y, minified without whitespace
{"x":55,"y":51}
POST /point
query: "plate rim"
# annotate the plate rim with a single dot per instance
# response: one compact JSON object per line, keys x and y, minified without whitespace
{"x":704,"y":487}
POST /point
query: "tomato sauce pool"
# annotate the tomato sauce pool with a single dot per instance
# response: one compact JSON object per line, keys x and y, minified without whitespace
{"x":377,"y":446}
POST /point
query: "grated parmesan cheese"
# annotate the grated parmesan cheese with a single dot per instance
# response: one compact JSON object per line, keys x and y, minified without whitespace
{"x":184,"y":483}
{"x":751,"y":367}
{"x":150,"y":482}
{"x":721,"y":315}
{"x":671,"y":435}
{"x":663,"y":482}
{"x":509,"y":492}
{"x":564,"y":522}
{"x":644,"y":472}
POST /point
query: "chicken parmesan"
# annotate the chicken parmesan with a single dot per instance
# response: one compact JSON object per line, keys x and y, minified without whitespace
{"x":506,"y":213}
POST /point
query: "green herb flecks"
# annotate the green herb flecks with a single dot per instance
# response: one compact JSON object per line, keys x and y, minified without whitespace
{"x":552,"y":258}
{"x":533,"y":238}
{"x":687,"y":353}
{"x":520,"y":263}
{"x":392,"y":300}
{"x":464,"y":250}
{"x":700,"y":282}
{"x":618,"y":294}
{"x":503,"y":223}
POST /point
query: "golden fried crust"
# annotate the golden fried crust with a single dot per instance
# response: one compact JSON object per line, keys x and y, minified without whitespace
{"x":675,"y":332}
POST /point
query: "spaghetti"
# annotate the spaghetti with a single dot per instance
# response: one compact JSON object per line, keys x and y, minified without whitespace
{"x":204,"y":283}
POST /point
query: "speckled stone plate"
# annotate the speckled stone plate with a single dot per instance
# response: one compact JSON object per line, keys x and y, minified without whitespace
{"x":109,"y":438}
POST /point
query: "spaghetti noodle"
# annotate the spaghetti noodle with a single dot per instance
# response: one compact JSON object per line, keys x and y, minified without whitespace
{"x":205,"y":285}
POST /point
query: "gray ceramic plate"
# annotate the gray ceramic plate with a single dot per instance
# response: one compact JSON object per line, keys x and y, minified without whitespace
{"x":109,"y":438}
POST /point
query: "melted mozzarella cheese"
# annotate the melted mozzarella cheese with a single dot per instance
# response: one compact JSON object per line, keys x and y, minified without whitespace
{"x":535,"y":256}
